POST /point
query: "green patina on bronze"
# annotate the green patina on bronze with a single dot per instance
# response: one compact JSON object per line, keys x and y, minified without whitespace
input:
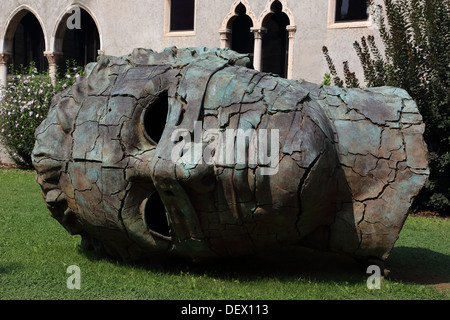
{"x":351,"y":161}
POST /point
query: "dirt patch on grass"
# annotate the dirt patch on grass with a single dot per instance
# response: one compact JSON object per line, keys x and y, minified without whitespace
{"x":420,"y":277}
{"x":9,"y":166}
{"x":442,"y":286}
{"x":428,"y":214}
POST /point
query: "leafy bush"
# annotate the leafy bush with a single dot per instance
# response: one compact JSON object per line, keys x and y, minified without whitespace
{"x":326,"y":79}
{"x":351,"y":81}
{"x":416,"y":39}
{"x":24,"y":104}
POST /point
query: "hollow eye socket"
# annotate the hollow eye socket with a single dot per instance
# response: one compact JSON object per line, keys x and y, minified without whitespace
{"x":154,"y":118}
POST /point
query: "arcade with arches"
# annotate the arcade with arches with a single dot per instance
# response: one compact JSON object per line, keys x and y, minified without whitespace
{"x":25,"y":40}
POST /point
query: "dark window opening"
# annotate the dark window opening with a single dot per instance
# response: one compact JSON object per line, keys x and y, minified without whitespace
{"x":155,"y":217}
{"x":29,"y":44}
{"x":81,"y":45}
{"x":242,"y":40}
{"x":182,"y":15}
{"x":351,"y":10}
{"x":155,"y":117}
{"x":275,"y":41}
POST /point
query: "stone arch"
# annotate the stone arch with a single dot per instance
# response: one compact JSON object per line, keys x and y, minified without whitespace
{"x":269,"y":10}
{"x":242,"y":39}
{"x":60,"y":33}
{"x":232,"y":14}
{"x":13,"y":23}
{"x":59,"y":30}
{"x":226,"y":29}
{"x":277,"y":15}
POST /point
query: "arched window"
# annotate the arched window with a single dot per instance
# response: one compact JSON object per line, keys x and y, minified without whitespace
{"x":80,"y":45}
{"x":275,"y":41}
{"x":242,"y":40}
{"x":28,"y":43}
{"x":273,"y":35}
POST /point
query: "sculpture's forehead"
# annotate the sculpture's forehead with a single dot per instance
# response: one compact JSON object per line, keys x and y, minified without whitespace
{"x":108,"y":121}
{"x":105,"y":113}
{"x":143,"y":81}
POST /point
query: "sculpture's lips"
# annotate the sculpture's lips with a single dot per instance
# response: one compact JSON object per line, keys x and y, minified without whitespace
{"x":47,"y":166}
{"x":53,"y":197}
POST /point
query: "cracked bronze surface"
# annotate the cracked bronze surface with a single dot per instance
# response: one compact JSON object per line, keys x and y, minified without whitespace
{"x":351,"y":161}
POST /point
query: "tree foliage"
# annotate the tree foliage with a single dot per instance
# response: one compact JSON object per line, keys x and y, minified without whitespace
{"x":416,"y":57}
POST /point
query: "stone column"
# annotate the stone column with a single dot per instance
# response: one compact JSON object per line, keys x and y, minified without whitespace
{"x":4,"y":60}
{"x":53,"y":59}
{"x":225,"y":38}
{"x":257,"y":54}
{"x":291,"y":36}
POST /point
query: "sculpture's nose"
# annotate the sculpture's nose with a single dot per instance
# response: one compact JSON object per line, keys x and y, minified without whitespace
{"x":52,"y":147}
{"x":41,"y":150}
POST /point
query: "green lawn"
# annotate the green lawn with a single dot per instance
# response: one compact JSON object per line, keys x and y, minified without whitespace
{"x":35,"y":252}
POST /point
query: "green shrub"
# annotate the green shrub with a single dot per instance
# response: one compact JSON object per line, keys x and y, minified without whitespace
{"x":24,"y":104}
{"x":416,"y":57}
{"x":351,"y":81}
{"x":326,"y":79}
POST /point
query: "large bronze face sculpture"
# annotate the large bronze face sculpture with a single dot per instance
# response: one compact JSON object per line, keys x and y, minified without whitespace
{"x":189,"y":152}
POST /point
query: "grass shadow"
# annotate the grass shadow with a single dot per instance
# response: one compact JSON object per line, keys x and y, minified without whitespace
{"x":283,"y":265}
{"x":419,"y":265}
{"x":406,"y":264}
{"x":10,"y":268}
